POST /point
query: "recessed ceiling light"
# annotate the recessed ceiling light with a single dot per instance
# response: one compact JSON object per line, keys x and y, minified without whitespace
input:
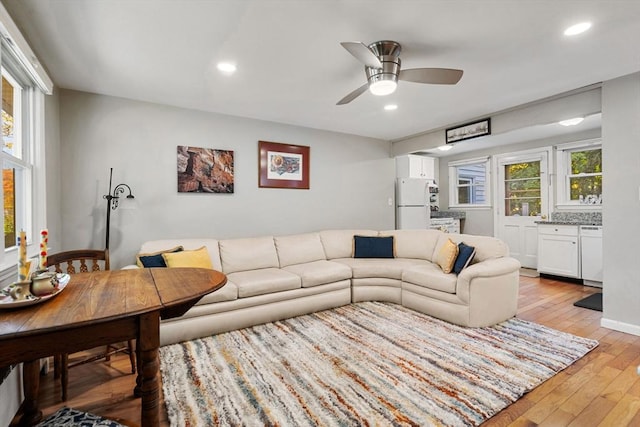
{"x":577,"y":29}
{"x":571,"y":122}
{"x":226,"y":67}
{"x":390,"y":107}
{"x":445,"y":147}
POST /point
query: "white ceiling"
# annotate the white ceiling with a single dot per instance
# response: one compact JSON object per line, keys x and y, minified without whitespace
{"x":292,"y":69}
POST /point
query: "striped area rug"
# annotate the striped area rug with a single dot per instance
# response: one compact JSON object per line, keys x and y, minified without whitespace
{"x":362,"y":364}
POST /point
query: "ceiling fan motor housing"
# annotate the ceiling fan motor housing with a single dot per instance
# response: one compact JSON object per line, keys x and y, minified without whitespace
{"x":389,"y":54}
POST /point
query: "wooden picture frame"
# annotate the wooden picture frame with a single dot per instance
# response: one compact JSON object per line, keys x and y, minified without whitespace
{"x":283,"y":165}
{"x":468,"y":131}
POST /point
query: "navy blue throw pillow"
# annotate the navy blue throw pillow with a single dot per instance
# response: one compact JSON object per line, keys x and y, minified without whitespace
{"x":465,"y":255}
{"x":156,"y":260}
{"x":373,"y":247}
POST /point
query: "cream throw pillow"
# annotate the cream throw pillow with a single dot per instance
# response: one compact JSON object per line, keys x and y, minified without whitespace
{"x":198,"y":258}
{"x":446,"y":256}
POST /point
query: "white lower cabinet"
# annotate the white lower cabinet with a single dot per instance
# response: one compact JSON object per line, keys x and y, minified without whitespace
{"x":559,"y":250}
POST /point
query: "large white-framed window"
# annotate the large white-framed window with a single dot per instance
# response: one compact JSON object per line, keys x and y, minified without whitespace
{"x":469,"y":183}
{"x":579,"y":172}
{"x":23,"y":194}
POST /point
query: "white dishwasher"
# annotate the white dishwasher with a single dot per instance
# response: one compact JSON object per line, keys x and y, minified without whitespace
{"x":591,"y":254}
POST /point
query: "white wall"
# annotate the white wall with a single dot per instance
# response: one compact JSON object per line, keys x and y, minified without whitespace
{"x":621,"y":210}
{"x":53,"y":171}
{"x":351,"y":177}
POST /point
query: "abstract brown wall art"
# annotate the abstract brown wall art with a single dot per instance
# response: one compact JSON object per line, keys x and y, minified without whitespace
{"x":204,"y":170}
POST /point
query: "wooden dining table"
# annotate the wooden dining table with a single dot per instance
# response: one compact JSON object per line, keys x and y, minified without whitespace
{"x":100,"y":308}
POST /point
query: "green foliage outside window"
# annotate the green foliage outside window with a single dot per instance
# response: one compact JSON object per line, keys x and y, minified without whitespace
{"x":586,"y":173}
{"x":522,"y":189}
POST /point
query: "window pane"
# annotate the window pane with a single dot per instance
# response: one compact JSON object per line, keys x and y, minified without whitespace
{"x":16,"y":193}
{"x":589,"y":161}
{"x":522,"y":170}
{"x":520,"y":206}
{"x":10,"y":105}
{"x":471,"y":183}
{"x":9,"y":189}
{"x":585,"y":185}
{"x":523,"y":188}
{"x":464,"y":195}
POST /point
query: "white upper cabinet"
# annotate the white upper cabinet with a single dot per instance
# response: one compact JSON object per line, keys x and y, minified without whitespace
{"x":411,"y":166}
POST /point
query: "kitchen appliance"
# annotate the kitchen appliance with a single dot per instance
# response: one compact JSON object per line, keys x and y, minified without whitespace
{"x":434,"y":199}
{"x":591,"y":254}
{"x":412,"y":203}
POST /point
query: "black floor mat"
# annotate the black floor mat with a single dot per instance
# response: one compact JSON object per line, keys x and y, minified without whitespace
{"x":592,"y":302}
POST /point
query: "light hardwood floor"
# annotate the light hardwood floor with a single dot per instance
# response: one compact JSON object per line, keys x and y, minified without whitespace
{"x":601,"y":389}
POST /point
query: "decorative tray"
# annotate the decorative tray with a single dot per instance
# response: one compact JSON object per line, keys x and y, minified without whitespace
{"x":7,"y":302}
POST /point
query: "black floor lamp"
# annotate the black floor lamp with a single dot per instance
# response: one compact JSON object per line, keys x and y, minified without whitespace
{"x":112,"y":202}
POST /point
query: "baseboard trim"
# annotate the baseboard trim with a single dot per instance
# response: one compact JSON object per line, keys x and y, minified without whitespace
{"x":627,"y":328}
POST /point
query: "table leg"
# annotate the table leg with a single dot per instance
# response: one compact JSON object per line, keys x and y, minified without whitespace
{"x":149,"y":388}
{"x":137,"y":391}
{"x":31,"y":384}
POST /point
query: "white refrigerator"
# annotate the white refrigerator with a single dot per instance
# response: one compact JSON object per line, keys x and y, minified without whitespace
{"x":412,"y":203}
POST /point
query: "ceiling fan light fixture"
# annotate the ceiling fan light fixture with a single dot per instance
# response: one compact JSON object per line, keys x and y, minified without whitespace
{"x":383,"y":87}
{"x":571,"y":122}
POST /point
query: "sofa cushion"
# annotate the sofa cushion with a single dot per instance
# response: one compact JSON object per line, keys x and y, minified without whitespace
{"x":432,"y":277}
{"x":339,"y":243}
{"x":264,"y":281}
{"x":194,"y":259}
{"x":155,"y":259}
{"x":320,"y":272}
{"x":465,"y":256}
{"x":487,"y":247}
{"x":299,"y":249}
{"x":418,"y":244}
{"x":248,"y":254}
{"x":447,"y":255}
{"x":373,"y":247}
{"x":229,"y":292}
{"x":390,"y":268}
{"x":187,"y":244}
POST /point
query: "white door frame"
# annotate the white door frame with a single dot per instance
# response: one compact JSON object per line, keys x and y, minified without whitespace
{"x":546,"y":194}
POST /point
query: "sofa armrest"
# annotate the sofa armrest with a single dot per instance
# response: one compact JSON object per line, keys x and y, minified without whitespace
{"x":490,"y":267}
{"x":490,"y":288}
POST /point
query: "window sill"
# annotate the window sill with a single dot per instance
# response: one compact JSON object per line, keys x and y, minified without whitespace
{"x":578,"y":207}
{"x":469,"y":207}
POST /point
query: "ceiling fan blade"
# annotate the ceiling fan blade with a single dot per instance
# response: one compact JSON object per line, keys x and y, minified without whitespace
{"x":362,"y":53}
{"x":353,"y":95}
{"x":436,"y":76}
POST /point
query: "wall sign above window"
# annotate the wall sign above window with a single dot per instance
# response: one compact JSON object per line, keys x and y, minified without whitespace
{"x":468,"y":131}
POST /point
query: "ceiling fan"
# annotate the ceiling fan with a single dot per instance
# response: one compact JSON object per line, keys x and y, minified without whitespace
{"x":382,"y":67}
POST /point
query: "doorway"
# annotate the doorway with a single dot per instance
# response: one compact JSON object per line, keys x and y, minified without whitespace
{"x":521,"y":199}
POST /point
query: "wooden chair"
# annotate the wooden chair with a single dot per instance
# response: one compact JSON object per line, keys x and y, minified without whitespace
{"x":84,"y":261}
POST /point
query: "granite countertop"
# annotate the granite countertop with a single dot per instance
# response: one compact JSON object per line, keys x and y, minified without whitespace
{"x":449,"y":214}
{"x":573,"y":218}
{"x":568,"y":222}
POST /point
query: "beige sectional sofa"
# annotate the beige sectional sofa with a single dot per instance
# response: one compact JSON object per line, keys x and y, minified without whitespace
{"x":272,"y":278}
